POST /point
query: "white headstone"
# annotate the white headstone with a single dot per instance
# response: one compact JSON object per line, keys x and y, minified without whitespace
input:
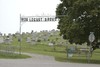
{"x":28,"y":40}
{"x":7,"y":41}
{"x":1,"y":39}
{"x":10,"y":37}
{"x":50,"y":44}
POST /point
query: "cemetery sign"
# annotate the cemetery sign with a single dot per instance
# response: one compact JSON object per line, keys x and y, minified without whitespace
{"x":38,"y":18}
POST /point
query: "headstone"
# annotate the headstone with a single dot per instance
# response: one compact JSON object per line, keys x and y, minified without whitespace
{"x":45,"y":38}
{"x":33,"y":41}
{"x":10,"y":37}
{"x":17,"y":34}
{"x":28,"y":40}
{"x":71,"y":50}
{"x":7,"y":41}
{"x":1,"y":39}
{"x":50,"y":44}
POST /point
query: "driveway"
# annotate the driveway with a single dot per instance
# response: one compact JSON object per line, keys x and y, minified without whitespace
{"x":40,"y":61}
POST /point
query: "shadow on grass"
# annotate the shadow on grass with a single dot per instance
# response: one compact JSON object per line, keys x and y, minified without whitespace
{"x":76,"y":60}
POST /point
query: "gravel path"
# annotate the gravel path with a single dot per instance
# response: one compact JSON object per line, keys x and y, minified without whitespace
{"x":40,"y":61}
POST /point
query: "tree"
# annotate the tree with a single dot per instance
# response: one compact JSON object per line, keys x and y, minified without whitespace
{"x":77,"y":18}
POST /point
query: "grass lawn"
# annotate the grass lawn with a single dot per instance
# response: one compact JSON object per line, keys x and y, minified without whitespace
{"x":59,"y":53}
{"x":13,"y":56}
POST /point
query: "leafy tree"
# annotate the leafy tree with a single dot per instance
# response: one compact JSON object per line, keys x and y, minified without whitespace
{"x":77,"y":18}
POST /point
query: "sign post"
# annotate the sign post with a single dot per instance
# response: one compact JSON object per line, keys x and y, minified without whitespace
{"x":20,"y":36}
{"x":91,"y":39}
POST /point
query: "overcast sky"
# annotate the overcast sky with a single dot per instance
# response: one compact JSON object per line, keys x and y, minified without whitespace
{"x":10,"y":11}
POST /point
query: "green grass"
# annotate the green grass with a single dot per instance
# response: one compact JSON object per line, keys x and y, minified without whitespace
{"x":13,"y":56}
{"x":59,"y":53}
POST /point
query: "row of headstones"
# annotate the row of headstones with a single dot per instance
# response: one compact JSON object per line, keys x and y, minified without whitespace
{"x":35,"y":40}
{"x":8,"y":49}
{"x":6,"y":40}
{"x":41,"y":36}
{"x":50,"y":42}
{"x":45,"y":37}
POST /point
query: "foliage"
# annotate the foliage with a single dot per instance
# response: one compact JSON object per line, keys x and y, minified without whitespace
{"x":80,"y":17}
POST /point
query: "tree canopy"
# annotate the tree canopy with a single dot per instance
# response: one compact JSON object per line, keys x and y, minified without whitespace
{"x":77,"y":18}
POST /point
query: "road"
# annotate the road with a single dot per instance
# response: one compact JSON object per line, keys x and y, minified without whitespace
{"x":40,"y":61}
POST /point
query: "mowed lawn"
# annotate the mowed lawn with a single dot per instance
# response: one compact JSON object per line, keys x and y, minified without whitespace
{"x":58,"y":51}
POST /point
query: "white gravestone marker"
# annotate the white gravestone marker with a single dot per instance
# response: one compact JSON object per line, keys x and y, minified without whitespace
{"x":7,"y":41}
{"x":1,"y":39}
{"x":50,"y":44}
{"x":28,"y":40}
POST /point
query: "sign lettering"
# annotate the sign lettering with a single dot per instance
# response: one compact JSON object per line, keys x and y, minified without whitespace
{"x":38,"y":19}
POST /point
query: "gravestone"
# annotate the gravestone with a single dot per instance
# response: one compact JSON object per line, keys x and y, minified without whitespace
{"x":28,"y":40}
{"x":1,"y":39}
{"x":33,"y":42}
{"x":50,"y":44}
{"x":17,"y":34}
{"x":11,"y":38}
{"x":7,"y":41}
{"x":71,"y":51}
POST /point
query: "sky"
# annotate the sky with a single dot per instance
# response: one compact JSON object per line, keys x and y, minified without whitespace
{"x":10,"y":11}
